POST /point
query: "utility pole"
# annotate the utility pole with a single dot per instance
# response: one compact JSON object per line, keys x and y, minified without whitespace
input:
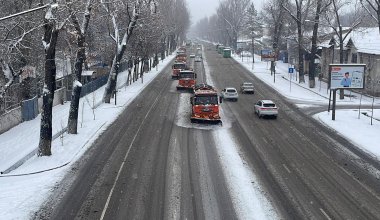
{"x":273,"y":64}
{"x":55,"y":5}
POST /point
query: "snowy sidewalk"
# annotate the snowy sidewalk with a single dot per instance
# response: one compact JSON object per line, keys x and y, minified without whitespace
{"x":23,"y":139}
{"x":296,"y":91}
{"x":348,"y":123}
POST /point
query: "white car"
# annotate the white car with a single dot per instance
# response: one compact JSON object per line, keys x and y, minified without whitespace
{"x":230,"y":93}
{"x":192,"y":55}
{"x":266,"y":108}
{"x":247,"y":87}
{"x":246,"y":54}
{"x":198,"y":59}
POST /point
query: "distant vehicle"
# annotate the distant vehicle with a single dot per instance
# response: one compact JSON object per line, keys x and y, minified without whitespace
{"x":230,"y":93}
{"x":205,"y":104}
{"x":198,"y":59}
{"x":186,"y":80}
{"x":176,"y":68}
{"x":199,"y":48}
{"x":182,"y":57}
{"x":247,"y":87}
{"x":266,"y":108}
{"x":246,"y":54}
{"x":192,"y":55}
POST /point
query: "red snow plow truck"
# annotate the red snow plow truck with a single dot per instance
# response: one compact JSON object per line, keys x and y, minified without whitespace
{"x":176,"y":68}
{"x":186,"y":80}
{"x":205,"y":104}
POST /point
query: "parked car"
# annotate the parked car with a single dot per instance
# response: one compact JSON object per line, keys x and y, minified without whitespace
{"x":230,"y":93}
{"x":198,"y":59}
{"x":266,"y":108}
{"x":246,"y":54}
{"x":247,"y":87}
{"x":192,"y":55}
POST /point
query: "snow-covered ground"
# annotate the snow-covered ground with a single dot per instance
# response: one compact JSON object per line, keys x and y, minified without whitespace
{"x":347,"y":123}
{"x":25,"y":189}
{"x":23,"y":193}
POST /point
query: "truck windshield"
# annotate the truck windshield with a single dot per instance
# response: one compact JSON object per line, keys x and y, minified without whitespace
{"x":179,"y":66}
{"x":187,"y":75}
{"x":206,"y":100}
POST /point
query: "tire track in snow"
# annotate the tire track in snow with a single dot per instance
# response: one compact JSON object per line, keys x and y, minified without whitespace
{"x":248,"y":200}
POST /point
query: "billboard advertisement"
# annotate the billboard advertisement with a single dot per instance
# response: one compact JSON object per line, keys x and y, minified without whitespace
{"x":268,"y":55}
{"x":347,"y":76}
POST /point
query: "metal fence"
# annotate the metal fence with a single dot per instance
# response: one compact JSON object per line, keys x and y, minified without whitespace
{"x":29,"y":109}
{"x":93,"y":85}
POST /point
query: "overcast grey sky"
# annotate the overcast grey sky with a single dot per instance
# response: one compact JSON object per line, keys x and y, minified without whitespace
{"x":202,"y":8}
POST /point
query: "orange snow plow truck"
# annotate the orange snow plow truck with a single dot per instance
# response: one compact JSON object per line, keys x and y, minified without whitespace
{"x":205,"y":104}
{"x":176,"y":68}
{"x":181,"y":57}
{"x":186,"y":80}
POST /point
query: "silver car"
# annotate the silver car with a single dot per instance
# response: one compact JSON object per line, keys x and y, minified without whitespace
{"x":230,"y":93}
{"x":266,"y":108}
{"x":247,"y":87}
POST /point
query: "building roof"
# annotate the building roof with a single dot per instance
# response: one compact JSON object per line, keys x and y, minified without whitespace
{"x":364,"y":40}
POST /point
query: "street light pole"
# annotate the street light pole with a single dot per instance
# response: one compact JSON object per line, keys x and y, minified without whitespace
{"x":55,"y":5}
{"x":274,"y":60}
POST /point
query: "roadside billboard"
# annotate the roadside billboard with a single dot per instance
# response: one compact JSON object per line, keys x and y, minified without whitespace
{"x":268,"y":55}
{"x":347,"y":76}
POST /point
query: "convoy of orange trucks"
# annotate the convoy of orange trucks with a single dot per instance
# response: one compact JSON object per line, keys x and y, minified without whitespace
{"x":205,"y":101}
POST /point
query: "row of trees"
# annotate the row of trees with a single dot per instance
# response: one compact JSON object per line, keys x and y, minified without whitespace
{"x":306,"y":22}
{"x":117,"y":31}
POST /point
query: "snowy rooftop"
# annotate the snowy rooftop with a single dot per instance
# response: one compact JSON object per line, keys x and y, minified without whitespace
{"x":365,"y":40}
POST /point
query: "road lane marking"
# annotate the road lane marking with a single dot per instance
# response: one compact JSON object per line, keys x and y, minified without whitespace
{"x":126,"y":155}
{"x":265,"y":140}
{"x":174,"y":178}
{"x":286,"y":168}
{"x":325,"y":214}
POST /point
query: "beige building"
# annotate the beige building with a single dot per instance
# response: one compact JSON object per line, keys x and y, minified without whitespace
{"x":362,"y":45}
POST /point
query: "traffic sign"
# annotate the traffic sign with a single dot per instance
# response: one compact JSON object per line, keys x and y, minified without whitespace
{"x":291,"y":70}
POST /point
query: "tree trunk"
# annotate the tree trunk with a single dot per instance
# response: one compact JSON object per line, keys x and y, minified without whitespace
{"x":72,"y":124}
{"x":253,"y":49}
{"x":51,"y":36}
{"x":300,"y":53}
{"x":112,"y":79}
{"x":312,"y":66}
{"x":341,"y":58}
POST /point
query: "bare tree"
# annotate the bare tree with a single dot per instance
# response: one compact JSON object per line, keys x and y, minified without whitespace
{"x":116,"y":10}
{"x":232,"y":15}
{"x":372,"y":6}
{"x":51,"y":31}
{"x":301,"y":7}
{"x":274,"y":16}
{"x":321,"y":6}
{"x":334,"y":20}
{"x":19,"y":37}
{"x":253,"y":27}
{"x":80,"y":34}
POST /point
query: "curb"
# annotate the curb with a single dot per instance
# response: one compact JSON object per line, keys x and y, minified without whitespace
{"x":55,"y":136}
{"x":53,"y":168}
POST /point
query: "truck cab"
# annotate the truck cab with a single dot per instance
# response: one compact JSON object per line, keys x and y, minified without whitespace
{"x":187,"y":79}
{"x":181,"y":57}
{"x":176,"y":68}
{"x":205,"y":104}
